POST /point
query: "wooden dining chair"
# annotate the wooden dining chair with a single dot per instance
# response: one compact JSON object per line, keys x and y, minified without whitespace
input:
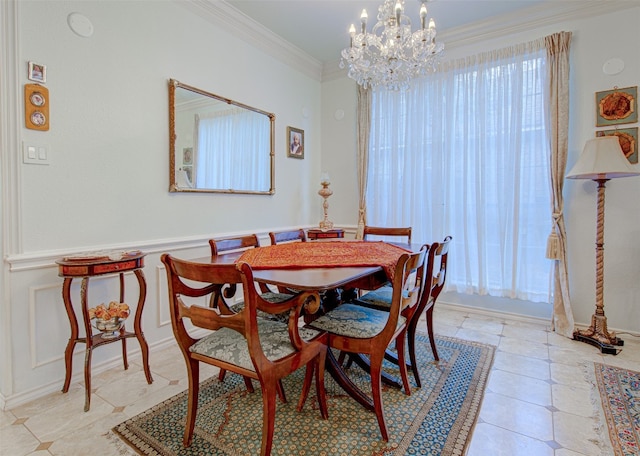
{"x":278,"y":237}
{"x":357,"y":329}
{"x":403,"y":232}
{"x":256,"y":348}
{"x":427,"y":304}
{"x":433,"y":283}
{"x":226,"y":291}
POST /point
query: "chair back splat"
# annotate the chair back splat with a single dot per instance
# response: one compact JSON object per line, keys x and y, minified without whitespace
{"x":255,"y":348}
{"x":278,"y":237}
{"x":238,"y":243}
{"x":387,"y":231}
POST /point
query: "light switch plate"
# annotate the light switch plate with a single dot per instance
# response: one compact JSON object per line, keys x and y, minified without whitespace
{"x":36,"y":154}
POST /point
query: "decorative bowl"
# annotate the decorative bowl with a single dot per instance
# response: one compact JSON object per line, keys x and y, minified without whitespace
{"x":109,"y":328}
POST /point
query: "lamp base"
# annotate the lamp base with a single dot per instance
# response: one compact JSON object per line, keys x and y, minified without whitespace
{"x":598,"y":335}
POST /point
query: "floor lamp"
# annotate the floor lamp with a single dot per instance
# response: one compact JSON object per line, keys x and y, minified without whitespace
{"x":602,"y":159}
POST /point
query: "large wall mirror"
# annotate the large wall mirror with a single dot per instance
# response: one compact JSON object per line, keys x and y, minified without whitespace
{"x":218,"y":145}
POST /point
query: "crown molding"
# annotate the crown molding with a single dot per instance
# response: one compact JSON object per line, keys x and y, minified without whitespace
{"x":548,"y":13}
{"x":234,"y":21}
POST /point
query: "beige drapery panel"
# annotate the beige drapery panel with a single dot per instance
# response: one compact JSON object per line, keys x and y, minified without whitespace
{"x":557,"y":46}
{"x":363,"y":127}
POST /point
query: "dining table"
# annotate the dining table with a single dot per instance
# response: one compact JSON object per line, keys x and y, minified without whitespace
{"x":336,"y":269}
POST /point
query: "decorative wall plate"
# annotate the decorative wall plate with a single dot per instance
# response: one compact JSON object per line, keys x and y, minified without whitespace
{"x":37,"y":118}
{"x":37,"y":99}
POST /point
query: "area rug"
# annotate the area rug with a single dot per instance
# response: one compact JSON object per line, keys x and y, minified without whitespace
{"x":436,"y":419}
{"x":620,"y":394}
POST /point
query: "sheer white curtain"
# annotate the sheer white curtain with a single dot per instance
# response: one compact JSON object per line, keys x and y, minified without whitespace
{"x":465,"y":153}
{"x":233,"y":149}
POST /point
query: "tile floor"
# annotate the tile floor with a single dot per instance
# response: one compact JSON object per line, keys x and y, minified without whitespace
{"x":538,"y":400}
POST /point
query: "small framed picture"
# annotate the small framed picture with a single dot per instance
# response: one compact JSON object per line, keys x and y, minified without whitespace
{"x":628,"y":138}
{"x":37,"y":72}
{"x":295,"y":147}
{"x":617,"y":106}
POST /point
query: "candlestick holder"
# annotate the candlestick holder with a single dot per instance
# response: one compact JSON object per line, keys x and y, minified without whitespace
{"x":325,"y":192}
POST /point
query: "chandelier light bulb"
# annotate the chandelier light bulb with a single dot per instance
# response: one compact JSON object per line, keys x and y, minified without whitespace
{"x":391,"y":54}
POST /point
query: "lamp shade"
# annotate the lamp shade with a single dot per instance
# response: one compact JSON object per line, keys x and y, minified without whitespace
{"x":602,"y":158}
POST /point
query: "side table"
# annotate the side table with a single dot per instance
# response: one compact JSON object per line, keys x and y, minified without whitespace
{"x":99,"y":264}
{"x":328,"y":234}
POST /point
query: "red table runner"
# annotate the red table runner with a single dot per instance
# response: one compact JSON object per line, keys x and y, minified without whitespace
{"x":299,"y":255}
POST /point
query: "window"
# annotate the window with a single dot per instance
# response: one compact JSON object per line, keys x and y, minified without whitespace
{"x":464,"y":152}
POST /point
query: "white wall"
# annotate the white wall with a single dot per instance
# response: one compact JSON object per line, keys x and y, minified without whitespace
{"x":107,"y":184}
{"x":595,"y":40}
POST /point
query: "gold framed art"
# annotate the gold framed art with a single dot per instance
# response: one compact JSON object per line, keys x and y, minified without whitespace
{"x":628,"y":138}
{"x":617,"y":106}
{"x":295,"y":142}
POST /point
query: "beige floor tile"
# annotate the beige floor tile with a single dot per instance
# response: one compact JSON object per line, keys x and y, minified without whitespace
{"x":520,"y":332}
{"x":489,"y":440}
{"x":571,"y":374}
{"x":478,"y":336}
{"x":523,"y":365}
{"x":518,"y":416}
{"x":16,"y":440}
{"x":6,"y":419}
{"x":126,"y":389}
{"x":577,"y":433}
{"x":520,"y":387}
{"x":573,"y":399}
{"x":483,"y":325}
{"x":576,"y":355}
{"x":524,"y":347}
{"x":91,"y":439}
{"x":68,"y":415}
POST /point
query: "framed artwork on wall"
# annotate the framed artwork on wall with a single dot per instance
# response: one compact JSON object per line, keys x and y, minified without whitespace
{"x":295,"y":145}
{"x":628,"y":138}
{"x":617,"y":106}
{"x":37,"y":72}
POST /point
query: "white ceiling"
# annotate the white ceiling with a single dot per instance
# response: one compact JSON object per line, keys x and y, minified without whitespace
{"x":320,"y":27}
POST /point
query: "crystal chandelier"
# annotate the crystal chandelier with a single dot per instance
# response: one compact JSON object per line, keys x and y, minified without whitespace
{"x":391,"y":55}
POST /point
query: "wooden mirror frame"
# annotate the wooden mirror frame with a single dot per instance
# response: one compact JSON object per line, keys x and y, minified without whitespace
{"x":173,"y":184}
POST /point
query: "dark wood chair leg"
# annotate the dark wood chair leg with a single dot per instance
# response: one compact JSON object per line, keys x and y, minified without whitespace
{"x":411,"y":342}
{"x":320,"y":389}
{"x":432,"y":340}
{"x":249,"y":384}
{"x":402,"y":365}
{"x":376,"y":393}
{"x":192,"y":401}
{"x":269,"y":415}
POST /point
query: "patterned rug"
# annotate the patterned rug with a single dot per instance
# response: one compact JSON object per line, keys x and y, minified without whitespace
{"x":620,"y":394}
{"x":436,"y":419}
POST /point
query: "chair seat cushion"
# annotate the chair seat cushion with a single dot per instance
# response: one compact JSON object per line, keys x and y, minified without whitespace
{"x":355,"y":321}
{"x":230,"y":346}
{"x":380,"y":298}
{"x":271,"y":297}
